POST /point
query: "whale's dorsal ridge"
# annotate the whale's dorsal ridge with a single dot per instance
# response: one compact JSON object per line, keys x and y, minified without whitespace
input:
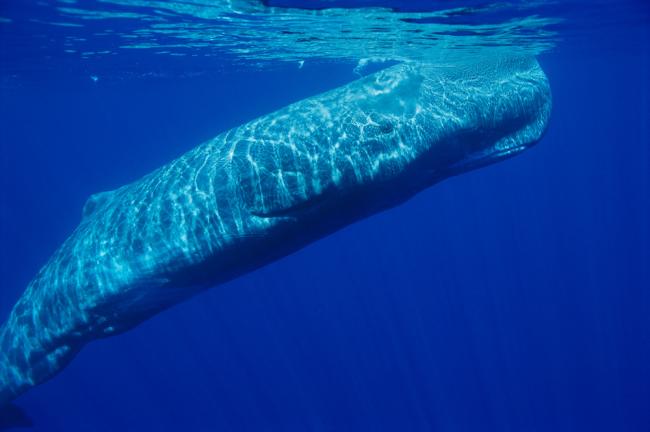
{"x":94,"y":202}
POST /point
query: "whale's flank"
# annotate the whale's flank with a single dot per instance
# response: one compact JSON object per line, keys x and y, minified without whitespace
{"x":263,"y":190}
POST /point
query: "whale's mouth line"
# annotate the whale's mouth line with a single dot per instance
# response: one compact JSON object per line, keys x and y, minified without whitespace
{"x":487,"y":157}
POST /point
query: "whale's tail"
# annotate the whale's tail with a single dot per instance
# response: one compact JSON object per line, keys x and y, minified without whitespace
{"x":10,"y":386}
{"x":6,"y":395}
{"x":27,"y":358}
{"x":11,"y":416}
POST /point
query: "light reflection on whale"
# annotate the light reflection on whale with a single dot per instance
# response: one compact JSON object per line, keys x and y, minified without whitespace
{"x":264,"y":190}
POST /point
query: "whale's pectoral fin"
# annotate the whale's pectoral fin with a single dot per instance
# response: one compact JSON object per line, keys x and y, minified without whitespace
{"x":94,"y":202}
{"x":291,"y":209}
{"x":12,"y":416}
{"x":142,"y":300}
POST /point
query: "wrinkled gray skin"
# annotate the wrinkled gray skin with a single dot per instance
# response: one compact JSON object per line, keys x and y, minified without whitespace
{"x":261,"y":191}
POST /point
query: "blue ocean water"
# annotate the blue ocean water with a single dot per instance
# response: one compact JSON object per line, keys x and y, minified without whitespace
{"x":511,"y":298}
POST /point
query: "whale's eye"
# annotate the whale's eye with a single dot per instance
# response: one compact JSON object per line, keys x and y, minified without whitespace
{"x":385,"y":127}
{"x":380,"y":124}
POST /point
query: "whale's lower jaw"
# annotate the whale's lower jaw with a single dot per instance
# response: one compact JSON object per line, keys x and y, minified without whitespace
{"x":262,"y":191}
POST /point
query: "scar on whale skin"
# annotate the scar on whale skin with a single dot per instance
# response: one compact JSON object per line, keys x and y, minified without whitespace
{"x":264,"y":190}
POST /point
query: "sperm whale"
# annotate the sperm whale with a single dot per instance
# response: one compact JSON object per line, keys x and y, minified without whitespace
{"x":263,"y":190}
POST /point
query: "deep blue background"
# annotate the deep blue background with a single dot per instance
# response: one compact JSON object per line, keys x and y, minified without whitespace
{"x":513,"y":298}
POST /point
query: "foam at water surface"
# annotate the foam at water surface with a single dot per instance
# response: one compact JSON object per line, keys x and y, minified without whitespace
{"x":257,"y":31}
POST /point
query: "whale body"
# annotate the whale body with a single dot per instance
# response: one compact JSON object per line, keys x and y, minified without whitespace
{"x":264,"y":190}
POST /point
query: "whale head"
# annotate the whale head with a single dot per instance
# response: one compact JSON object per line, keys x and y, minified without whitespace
{"x":513,"y":117}
{"x":379,"y":140}
{"x":449,"y":119}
